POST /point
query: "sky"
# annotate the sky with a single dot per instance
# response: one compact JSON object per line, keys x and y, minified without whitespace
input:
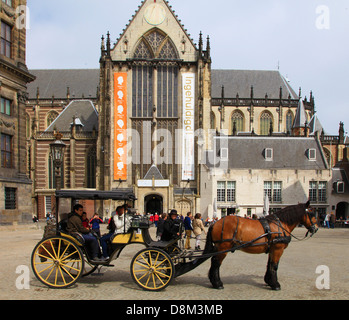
{"x":307,"y":40}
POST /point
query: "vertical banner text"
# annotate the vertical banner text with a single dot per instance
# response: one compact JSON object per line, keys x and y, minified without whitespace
{"x":188,"y":163}
{"x":120,"y":126}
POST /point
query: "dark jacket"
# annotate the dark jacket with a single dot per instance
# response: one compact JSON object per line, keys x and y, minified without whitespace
{"x":187,"y":224}
{"x":75,"y":224}
{"x":171,"y":228}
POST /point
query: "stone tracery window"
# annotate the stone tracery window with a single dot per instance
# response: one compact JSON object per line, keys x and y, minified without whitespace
{"x":156,"y":45}
{"x":266,"y":120}
{"x":238,"y":119}
{"x":51,"y":116}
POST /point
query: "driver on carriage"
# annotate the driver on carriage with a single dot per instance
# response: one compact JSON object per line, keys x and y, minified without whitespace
{"x":75,"y":226}
{"x":173,"y":227}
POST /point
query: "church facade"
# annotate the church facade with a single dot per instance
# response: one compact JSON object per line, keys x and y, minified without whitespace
{"x":159,"y":104}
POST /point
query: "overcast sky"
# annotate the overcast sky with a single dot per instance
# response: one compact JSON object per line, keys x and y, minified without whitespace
{"x":307,"y":39}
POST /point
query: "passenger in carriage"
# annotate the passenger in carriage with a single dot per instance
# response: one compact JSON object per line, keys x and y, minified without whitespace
{"x":116,"y":226}
{"x":74,"y":225}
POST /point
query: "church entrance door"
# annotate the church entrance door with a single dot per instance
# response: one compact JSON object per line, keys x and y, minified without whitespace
{"x":153,"y":203}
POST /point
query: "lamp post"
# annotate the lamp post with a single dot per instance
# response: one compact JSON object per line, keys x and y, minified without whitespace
{"x":57,"y":149}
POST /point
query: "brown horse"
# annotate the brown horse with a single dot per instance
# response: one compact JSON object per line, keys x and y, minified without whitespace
{"x":270,"y":235}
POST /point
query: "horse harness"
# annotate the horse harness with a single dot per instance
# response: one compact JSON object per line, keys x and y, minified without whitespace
{"x":280,"y":239}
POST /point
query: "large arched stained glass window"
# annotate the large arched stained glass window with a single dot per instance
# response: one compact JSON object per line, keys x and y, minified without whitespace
{"x":237,"y":121}
{"x":266,"y":121}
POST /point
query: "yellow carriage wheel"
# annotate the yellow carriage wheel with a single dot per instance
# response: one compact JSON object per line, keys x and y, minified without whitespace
{"x":152,"y":269}
{"x":57,"y":262}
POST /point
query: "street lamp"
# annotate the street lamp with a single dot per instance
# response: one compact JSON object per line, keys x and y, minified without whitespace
{"x":57,"y":149}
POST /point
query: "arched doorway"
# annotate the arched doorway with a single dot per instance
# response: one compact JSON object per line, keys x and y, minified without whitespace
{"x":153,"y":203}
{"x":342,"y":212}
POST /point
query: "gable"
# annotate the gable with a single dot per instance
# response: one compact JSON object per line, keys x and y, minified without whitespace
{"x":154,"y":15}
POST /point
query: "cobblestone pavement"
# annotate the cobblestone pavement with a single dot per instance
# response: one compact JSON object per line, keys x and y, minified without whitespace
{"x":241,"y":273}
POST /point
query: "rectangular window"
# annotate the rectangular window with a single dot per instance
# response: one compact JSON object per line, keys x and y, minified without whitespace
{"x":231,"y":191}
{"x":5,"y":106}
{"x":317,"y":191}
{"x":10,"y":198}
{"x":226,"y":191}
{"x":322,"y":191}
{"x":274,"y":190}
{"x":6,"y":40}
{"x":6,"y":151}
{"x":267,"y":189}
{"x":277,"y":191}
{"x":221,"y":191}
{"x":48,"y":205}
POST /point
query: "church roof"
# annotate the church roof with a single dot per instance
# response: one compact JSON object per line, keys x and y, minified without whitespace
{"x":83,"y":110}
{"x":301,"y":117}
{"x":240,"y":82}
{"x":81,"y":83}
{"x":315,"y":125}
{"x":153,"y":172}
{"x":84,"y":82}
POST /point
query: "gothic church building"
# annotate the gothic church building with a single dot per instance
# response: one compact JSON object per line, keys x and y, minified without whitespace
{"x":157,"y":101}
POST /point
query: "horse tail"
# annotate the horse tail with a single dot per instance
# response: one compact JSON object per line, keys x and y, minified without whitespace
{"x":209,"y":247}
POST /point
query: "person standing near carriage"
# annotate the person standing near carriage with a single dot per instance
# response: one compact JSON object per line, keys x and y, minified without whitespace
{"x":198,"y":228}
{"x":172,"y":227}
{"x":188,"y":229}
{"x":74,"y":225}
{"x":160,"y":228}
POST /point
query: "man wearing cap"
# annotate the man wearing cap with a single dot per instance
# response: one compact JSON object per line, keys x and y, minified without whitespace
{"x":172,"y":227}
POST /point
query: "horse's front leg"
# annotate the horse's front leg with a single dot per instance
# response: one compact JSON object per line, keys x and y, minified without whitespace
{"x":270,"y":277}
{"x":213,"y":274}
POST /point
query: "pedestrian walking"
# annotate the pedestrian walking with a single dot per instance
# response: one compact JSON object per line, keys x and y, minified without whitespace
{"x":198,"y":229}
{"x":327,"y":221}
{"x":188,"y":229}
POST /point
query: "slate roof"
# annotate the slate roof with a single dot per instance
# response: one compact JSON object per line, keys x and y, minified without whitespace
{"x":81,"y":82}
{"x":84,"y":110}
{"x":301,"y":118}
{"x":153,"y":172}
{"x":240,"y":82}
{"x":85,"y":82}
{"x":288,"y":153}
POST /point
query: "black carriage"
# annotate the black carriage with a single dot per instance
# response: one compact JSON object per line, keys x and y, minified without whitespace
{"x":60,"y":259}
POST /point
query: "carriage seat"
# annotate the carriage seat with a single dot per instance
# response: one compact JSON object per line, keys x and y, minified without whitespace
{"x":161,"y":244}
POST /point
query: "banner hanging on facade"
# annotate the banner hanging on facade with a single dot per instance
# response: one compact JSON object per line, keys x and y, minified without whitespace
{"x":188,"y":155}
{"x":120,"y":126}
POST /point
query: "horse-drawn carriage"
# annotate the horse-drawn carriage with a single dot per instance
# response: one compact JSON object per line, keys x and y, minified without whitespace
{"x":59,"y":260}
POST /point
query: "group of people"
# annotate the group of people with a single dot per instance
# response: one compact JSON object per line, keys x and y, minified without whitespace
{"x":168,"y":228}
{"x":77,"y":224}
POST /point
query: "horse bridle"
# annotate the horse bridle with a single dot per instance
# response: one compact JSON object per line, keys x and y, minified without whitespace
{"x":312,"y":229}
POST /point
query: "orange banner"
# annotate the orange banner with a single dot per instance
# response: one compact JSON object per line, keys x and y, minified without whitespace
{"x":120,"y":126}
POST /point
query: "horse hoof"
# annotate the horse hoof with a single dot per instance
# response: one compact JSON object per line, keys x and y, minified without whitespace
{"x":276,"y":288}
{"x":218,"y":287}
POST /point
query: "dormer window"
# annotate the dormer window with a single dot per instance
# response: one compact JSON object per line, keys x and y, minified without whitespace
{"x":268,"y":154}
{"x":311,"y":153}
{"x":339,"y":187}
